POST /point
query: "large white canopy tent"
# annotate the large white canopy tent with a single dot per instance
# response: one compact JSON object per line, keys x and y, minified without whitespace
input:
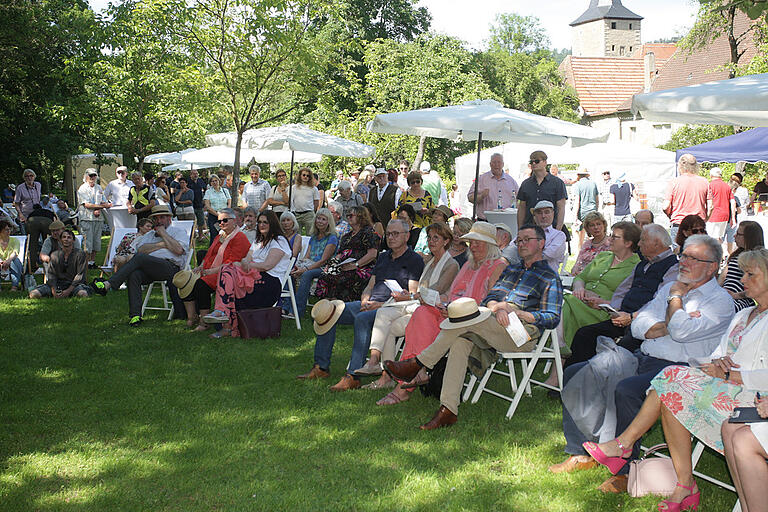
{"x":225,"y":155}
{"x":485,"y":120}
{"x":168,"y":158}
{"x":648,"y":168}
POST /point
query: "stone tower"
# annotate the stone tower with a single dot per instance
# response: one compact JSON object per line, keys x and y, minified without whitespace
{"x":606,"y":29}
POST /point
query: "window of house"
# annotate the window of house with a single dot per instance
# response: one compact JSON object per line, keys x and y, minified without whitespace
{"x":661,"y":133}
{"x":630,"y":26}
{"x":613,"y":24}
{"x":613,"y":47}
{"x":632,"y":133}
{"x":621,"y":50}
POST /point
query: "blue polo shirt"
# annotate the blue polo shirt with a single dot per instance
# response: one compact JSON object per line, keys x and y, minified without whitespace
{"x":408,"y":267}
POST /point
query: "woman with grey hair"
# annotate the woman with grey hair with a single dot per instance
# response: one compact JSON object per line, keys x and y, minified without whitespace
{"x":291,"y":231}
{"x":26,"y":197}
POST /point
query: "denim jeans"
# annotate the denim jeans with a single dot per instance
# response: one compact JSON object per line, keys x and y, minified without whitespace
{"x":15,"y":270}
{"x":302,"y":289}
{"x":363,"y":326}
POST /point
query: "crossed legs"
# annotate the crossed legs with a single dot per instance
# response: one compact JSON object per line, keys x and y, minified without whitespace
{"x":746,"y":461}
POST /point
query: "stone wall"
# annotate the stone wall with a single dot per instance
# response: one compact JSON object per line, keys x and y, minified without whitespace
{"x":589,"y":39}
{"x":621,"y":41}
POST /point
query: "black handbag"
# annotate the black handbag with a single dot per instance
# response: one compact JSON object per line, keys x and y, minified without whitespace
{"x":260,"y":323}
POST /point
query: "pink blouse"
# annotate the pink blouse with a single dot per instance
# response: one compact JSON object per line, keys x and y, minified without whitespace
{"x":471,"y":283}
{"x":588,"y":253}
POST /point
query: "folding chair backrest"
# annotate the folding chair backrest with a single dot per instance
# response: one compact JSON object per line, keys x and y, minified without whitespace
{"x":79,"y":239}
{"x":287,"y":274}
{"x":117,"y":236}
{"x":304,"y":247}
{"x":22,"y":249}
{"x":189,"y":228}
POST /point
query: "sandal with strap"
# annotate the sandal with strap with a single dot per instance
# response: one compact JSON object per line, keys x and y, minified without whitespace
{"x":614,"y":464}
{"x":392,"y":398}
{"x":690,"y":502}
{"x":416,"y":382}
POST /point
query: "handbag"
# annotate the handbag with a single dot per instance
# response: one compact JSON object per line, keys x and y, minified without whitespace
{"x":259,"y":323}
{"x":651,"y":475}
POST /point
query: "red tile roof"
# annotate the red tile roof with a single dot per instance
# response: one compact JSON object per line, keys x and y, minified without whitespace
{"x":602,"y":83}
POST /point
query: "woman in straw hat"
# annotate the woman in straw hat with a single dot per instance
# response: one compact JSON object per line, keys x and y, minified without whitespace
{"x":479,"y":273}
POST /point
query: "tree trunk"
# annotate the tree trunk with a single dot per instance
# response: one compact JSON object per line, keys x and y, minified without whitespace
{"x":732,"y":42}
{"x":419,"y":154}
{"x":236,"y":170}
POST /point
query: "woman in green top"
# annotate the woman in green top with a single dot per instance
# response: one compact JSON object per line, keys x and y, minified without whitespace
{"x":10,"y":263}
{"x":597,"y":282}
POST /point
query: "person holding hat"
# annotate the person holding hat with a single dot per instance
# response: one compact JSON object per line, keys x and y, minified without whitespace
{"x":91,"y":201}
{"x":159,"y":255}
{"x":400,"y":264}
{"x":496,"y":189}
{"x":530,"y":290}
{"x":197,"y":286}
{"x":556,"y":245}
{"x":587,"y":200}
{"x":384,"y":197}
{"x":141,"y":200}
{"x":541,"y":186}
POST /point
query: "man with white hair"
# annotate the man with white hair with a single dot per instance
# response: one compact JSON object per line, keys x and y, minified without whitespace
{"x":117,"y":193}
{"x":257,"y":190}
{"x":721,"y":205}
{"x":431,"y":182}
{"x":342,"y":226}
{"x":496,"y":189}
{"x":347,"y":198}
{"x":687,"y":194}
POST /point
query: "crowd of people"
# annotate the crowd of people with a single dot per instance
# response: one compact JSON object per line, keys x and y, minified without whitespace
{"x":387,"y":255}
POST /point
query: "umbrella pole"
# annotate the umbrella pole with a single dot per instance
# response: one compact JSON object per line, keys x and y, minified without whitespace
{"x":290,"y":183}
{"x":477,"y":175}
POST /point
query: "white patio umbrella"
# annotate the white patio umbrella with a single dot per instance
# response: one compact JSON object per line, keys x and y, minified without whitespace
{"x":295,"y":138}
{"x":188,"y":167}
{"x":173,"y":157}
{"x":487,"y":119}
{"x":740,"y":101}
{"x":225,"y":155}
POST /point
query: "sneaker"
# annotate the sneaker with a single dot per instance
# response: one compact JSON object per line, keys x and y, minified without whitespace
{"x":216,"y":317}
{"x":135,"y":321}
{"x":98,"y":286}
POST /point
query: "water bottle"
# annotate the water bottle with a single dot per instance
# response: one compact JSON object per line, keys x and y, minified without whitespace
{"x":498,"y":201}
{"x":514,"y":202}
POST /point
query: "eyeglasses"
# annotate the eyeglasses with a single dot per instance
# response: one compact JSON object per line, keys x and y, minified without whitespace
{"x":350,"y":214}
{"x":522,"y":241}
{"x":415,"y":182}
{"x":606,"y":174}
{"x":227,"y":220}
{"x":739,"y":234}
{"x":698,"y":231}
{"x":688,"y":257}
{"x":435,"y":238}
{"x":390,"y":234}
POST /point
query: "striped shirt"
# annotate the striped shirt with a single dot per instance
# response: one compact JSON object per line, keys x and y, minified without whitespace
{"x":537,"y":290}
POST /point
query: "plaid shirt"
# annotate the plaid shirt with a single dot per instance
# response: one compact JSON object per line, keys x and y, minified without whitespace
{"x":256,"y":193}
{"x":537,"y":290}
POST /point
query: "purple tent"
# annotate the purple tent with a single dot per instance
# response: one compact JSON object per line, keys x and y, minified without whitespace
{"x":750,"y":146}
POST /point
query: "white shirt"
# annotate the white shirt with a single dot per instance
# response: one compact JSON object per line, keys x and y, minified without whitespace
{"x":689,"y":336}
{"x":381,"y":191}
{"x":117,"y":192}
{"x":92,"y":195}
{"x":259,"y":253}
{"x":303,"y":198}
{"x":177,"y":234}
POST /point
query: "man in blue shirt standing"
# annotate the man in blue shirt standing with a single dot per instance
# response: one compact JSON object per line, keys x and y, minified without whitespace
{"x":587,"y":197}
{"x":531,"y":290}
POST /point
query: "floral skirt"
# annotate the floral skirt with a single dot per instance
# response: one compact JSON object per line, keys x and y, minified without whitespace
{"x":700,"y":402}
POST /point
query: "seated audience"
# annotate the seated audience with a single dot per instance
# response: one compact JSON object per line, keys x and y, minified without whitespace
{"x":322,"y":245}
{"x":658,"y":267}
{"x":749,"y":236}
{"x":555,"y":244}
{"x":291,"y":232}
{"x":342,"y":226}
{"x":482,"y":270}
{"x":346,"y":197}
{"x":400,"y":263}
{"x":597,"y":241}
{"x":229,"y":246}
{"x":597,"y":282}
{"x":253,"y":282}
{"x":440,"y":215}
{"x":67,"y":272}
{"x":504,"y":235}
{"x":690,"y":225}
{"x":435,"y":280}
{"x":697,"y":401}
{"x":159,"y":255}
{"x":406,"y":213}
{"x":51,"y":243}
{"x":10,"y":262}
{"x":126,"y":249}
{"x":531,"y":290}
{"x":347,"y":281}
{"x":378,"y":227}
{"x":643,"y":218}
{"x":458,"y":248}
{"x":249,"y":228}
{"x":685,"y":319}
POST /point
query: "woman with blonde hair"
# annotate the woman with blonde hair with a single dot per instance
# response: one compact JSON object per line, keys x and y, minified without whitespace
{"x":216,"y":198}
{"x":322,"y":245}
{"x":598,"y":241}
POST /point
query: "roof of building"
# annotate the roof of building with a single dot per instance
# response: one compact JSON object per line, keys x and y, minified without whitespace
{"x":602,"y":83}
{"x":599,"y":9}
{"x":662,"y":51}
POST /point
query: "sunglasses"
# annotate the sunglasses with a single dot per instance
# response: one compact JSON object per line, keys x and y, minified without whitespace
{"x":226,"y":220}
{"x":534,"y":161}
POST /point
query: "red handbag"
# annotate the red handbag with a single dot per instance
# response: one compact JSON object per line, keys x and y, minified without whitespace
{"x":260,"y":323}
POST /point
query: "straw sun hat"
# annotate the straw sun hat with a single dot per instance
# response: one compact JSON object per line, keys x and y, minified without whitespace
{"x":325,"y":314}
{"x":184,"y":281}
{"x":464,"y":312}
{"x":482,"y":231}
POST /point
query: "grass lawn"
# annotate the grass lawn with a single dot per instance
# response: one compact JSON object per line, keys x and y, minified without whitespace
{"x":95,"y":415}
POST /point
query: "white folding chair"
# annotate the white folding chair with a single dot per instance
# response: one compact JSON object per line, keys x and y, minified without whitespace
{"x":189,"y":227}
{"x":22,"y":255}
{"x":114,"y":240}
{"x":289,"y":293}
{"x":304,"y":247}
{"x":547,"y":348}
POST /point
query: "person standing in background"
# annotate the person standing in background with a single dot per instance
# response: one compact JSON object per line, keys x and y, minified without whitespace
{"x":198,"y":186}
{"x":687,"y":194}
{"x":433,"y":184}
{"x":622,"y":193}
{"x":587,"y":200}
{"x":90,"y":198}
{"x":26,"y":197}
{"x":305,"y":199}
{"x":496,"y":189}
{"x":721,"y":205}
{"x":117,"y":193}
{"x":541,"y":186}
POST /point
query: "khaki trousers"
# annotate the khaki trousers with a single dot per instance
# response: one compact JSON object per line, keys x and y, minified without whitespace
{"x":450,"y":342}
{"x":390,"y":323}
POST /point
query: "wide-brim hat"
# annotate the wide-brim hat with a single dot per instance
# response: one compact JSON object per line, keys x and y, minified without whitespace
{"x":444,"y":210}
{"x":184,"y":281}
{"x":160,"y":209}
{"x":325,"y":314}
{"x":464,"y":312}
{"x":482,"y":231}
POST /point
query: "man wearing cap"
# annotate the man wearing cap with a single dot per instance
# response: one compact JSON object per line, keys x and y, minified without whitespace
{"x":159,"y":255}
{"x":555,"y":244}
{"x":66,"y":273}
{"x":347,"y":198}
{"x":530,"y":290}
{"x":117,"y":193}
{"x":587,"y":199}
{"x":541,"y":186}
{"x":687,"y":194}
{"x":496,"y":189}
{"x":721,"y":205}
{"x":622,"y":192}
{"x":400,"y":263}
{"x":91,"y":201}
{"x":53,"y":242}
{"x":384,"y":196}
{"x":256,"y":191}
{"x":503,"y":235}
{"x":431,"y":182}
{"x":141,"y":200}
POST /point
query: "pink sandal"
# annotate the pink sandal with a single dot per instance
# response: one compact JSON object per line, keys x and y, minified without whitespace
{"x":614,"y":464}
{"x":689,"y":502}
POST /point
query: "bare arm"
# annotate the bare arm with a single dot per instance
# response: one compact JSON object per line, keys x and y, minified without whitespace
{"x":560,"y":214}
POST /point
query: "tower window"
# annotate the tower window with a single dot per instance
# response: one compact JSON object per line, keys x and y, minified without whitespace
{"x":613,"y":47}
{"x":613,"y":25}
{"x":630,"y":49}
{"x":630,"y":26}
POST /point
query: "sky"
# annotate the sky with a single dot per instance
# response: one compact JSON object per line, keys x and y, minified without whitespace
{"x":469,"y":19}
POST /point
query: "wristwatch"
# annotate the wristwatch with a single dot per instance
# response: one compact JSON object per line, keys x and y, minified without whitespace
{"x":671,"y":297}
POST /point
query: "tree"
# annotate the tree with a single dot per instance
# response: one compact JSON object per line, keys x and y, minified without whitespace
{"x":513,"y":33}
{"x":753,"y":8}
{"x":262,"y":62}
